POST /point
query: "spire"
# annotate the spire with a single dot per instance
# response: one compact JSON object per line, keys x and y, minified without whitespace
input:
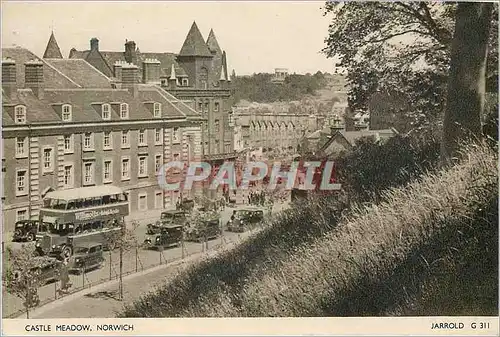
{"x":224,"y":64}
{"x":223,"y":74}
{"x":172,"y":73}
{"x":52,"y":51}
{"x":212,"y":43}
{"x":194,"y":45}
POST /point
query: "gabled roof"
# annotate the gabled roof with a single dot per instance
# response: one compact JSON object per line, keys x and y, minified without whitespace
{"x":36,"y":111}
{"x":51,"y":76}
{"x":52,"y":50}
{"x":155,"y":94}
{"x":194,"y":45}
{"x":81,"y":72}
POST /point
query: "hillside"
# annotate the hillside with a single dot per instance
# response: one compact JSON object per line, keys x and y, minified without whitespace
{"x":259,"y":88}
{"x":415,"y":252}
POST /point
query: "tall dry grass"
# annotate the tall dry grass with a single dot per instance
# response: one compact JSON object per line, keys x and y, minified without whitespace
{"x":435,"y":237}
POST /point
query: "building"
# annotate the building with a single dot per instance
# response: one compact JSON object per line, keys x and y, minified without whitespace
{"x":280,"y":74}
{"x":67,"y":123}
{"x":197,"y":75}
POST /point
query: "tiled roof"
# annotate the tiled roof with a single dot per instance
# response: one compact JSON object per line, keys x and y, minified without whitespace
{"x":52,"y":50}
{"x":86,"y":103}
{"x":155,"y":94}
{"x":36,"y":111}
{"x":212,"y":43}
{"x":52,"y":77}
{"x":194,"y":45}
{"x":81,"y":72}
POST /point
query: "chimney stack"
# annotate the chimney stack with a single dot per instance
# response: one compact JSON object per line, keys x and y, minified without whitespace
{"x":129,"y":78}
{"x":33,"y":77}
{"x":9,"y":80}
{"x":94,"y":44}
{"x":130,"y":52}
{"x":151,"y":71}
{"x":117,"y":70}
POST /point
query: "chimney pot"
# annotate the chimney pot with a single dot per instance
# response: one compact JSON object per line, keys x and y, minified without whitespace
{"x":94,"y":44}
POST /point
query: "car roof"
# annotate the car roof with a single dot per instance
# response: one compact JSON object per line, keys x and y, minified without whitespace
{"x":174,"y":211}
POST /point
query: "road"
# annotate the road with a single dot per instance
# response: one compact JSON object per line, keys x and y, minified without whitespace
{"x":134,"y":261}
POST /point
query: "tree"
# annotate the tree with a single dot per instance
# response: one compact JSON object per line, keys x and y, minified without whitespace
{"x":20,"y":276}
{"x":466,"y":86}
{"x":402,"y":48}
{"x":125,"y":240}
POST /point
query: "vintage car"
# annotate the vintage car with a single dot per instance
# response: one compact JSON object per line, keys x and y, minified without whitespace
{"x":45,"y":269}
{"x":204,"y":230}
{"x":28,"y":230}
{"x":245,"y":218}
{"x":168,"y":218}
{"x":167,"y":237}
{"x":87,"y":257}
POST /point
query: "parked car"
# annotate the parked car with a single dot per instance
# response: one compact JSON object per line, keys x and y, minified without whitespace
{"x":167,"y":219}
{"x":28,"y":230}
{"x":245,"y":218}
{"x":46,"y":269}
{"x":204,"y":230}
{"x":167,"y":237}
{"x":87,"y":257}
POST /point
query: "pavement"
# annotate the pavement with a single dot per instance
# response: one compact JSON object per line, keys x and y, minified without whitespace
{"x":142,"y":267}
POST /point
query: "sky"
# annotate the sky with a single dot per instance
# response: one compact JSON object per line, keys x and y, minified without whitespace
{"x":257,"y":36}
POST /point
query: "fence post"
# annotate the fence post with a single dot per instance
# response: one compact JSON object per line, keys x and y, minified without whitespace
{"x":83,"y":278}
{"x":55,"y":290}
{"x":110,"y":266}
{"x":182,"y":246}
{"x":136,"y":258}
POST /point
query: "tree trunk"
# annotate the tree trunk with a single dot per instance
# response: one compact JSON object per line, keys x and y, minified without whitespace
{"x":466,"y":82}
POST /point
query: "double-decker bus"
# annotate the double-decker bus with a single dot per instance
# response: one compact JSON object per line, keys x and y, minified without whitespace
{"x":81,"y":215}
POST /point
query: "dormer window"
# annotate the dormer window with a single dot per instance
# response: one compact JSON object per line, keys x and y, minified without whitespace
{"x":124,"y":111}
{"x":157,"y":110}
{"x":20,"y":114}
{"x":66,"y":113}
{"x":106,"y":111}
{"x":185,"y":82}
{"x":163,"y":83}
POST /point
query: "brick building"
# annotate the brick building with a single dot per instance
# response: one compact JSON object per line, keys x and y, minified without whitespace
{"x":73,"y":122}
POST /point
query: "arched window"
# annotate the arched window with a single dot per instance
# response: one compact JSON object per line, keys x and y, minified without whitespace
{"x":203,"y":78}
{"x":66,"y":113}
{"x":20,"y":114}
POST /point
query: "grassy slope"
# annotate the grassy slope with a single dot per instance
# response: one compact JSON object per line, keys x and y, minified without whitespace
{"x":426,"y":250}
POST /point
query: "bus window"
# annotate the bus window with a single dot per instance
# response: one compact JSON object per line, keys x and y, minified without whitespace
{"x":106,"y":199}
{"x":122,"y":197}
{"x":71,"y":205}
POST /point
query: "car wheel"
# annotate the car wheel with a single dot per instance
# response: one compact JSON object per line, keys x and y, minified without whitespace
{"x":66,"y":252}
{"x":30,"y":237}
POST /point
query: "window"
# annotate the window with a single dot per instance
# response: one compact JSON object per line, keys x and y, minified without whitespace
{"x":125,"y":139}
{"x":216,"y":106}
{"x":217,"y":126}
{"x":176,"y":136}
{"x":107,"y":145}
{"x":185,"y":82}
{"x":142,"y":137}
{"x":124,"y":111}
{"x":125,"y":168}
{"x":158,"y":200}
{"x":158,"y":162}
{"x":158,"y":137}
{"x":200,"y":106}
{"x":207,"y":107}
{"x":22,"y":214}
{"x":216,"y":149}
{"x":107,"y":175}
{"x":68,"y":175}
{"x":142,"y":202}
{"x":143,"y":166}
{"x":21,"y":147}
{"x":68,"y":143}
{"x":66,"y":113}
{"x":157,"y":110}
{"x":106,"y":111}
{"x":48,"y":160}
{"x":21,"y":182}
{"x":88,"y":141}
{"x":88,"y":173}
{"x":20,"y":114}
{"x":163,"y":83}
